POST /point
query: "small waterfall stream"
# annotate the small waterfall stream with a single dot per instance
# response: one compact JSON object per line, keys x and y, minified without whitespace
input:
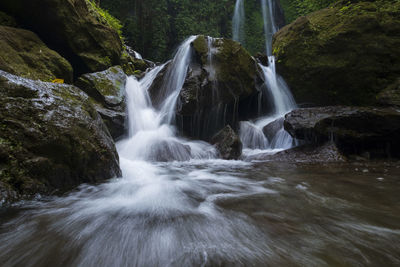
{"x":252,"y":133}
{"x":238,"y":22}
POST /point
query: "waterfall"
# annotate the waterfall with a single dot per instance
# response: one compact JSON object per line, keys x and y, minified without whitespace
{"x":238,"y":22}
{"x":151,"y":134}
{"x":252,"y":133}
{"x":269,"y":24}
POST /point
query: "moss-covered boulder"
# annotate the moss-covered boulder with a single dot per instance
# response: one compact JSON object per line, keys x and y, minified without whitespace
{"x":345,"y":54}
{"x":107,"y":91}
{"x":221,"y":86}
{"x":23,"y":53}
{"x":51,"y":139}
{"x":74,"y":28}
{"x":390,"y":96}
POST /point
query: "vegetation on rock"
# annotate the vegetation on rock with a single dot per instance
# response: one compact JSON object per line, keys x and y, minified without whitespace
{"x":61,"y":144}
{"x":23,"y":53}
{"x":345,"y":54}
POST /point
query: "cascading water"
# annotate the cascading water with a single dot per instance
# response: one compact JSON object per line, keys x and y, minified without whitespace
{"x":151,"y":135}
{"x":252,"y":133}
{"x":238,"y":22}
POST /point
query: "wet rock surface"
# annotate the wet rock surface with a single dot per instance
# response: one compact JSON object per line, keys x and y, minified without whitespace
{"x":23,"y":53}
{"x":325,"y":153}
{"x":51,"y":139}
{"x":107,"y":89}
{"x":73,"y":28}
{"x":354,"y":130}
{"x":342,"y":55}
{"x":228,"y":143}
{"x":221,"y":86}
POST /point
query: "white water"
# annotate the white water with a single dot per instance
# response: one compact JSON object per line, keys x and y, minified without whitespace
{"x":238,"y":22}
{"x":137,"y":55}
{"x":151,"y":135}
{"x":251,"y":132}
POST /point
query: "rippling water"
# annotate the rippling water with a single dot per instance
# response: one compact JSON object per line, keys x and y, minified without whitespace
{"x":214,"y":213}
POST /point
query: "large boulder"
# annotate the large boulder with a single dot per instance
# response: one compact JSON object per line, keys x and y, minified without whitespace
{"x":355,"y":130}
{"x":342,"y":55}
{"x":51,"y":138}
{"x":23,"y":53}
{"x":107,"y":90}
{"x":74,"y":28}
{"x":221,"y":86}
{"x":227,"y":143}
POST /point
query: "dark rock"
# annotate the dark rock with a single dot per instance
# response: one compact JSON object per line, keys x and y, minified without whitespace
{"x":107,"y":89}
{"x":391,"y":95}
{"x":51,"y":138}
{"x":327,"y":152}
{"x":355,"y":130}
{"x":216,"y":92}
{"x":165,"y":151}
{"x":75,"y":29}
{"x":23,"y":53}
{"x":263,"y":59}
{"x":272,"y":128}
{"x":228,"y":143}
{"x":342,"y":55}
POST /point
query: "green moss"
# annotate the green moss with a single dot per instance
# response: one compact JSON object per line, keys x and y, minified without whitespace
{"x":108,"y":18}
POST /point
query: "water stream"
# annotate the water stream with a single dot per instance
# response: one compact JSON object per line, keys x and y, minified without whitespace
{"x":177,"y":205}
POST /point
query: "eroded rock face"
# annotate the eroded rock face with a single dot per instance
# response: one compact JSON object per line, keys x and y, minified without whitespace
{"x":354,"y":130}
{"x":73,"y":28}
{"x":51,"y":139}
{"x":342,"y":55}
{"x":221,"y":87}
{"x":228,"y":143}
{"x":107,"y":89}
{"x":23,"y":53}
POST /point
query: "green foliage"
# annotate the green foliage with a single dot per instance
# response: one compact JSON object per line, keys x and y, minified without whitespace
{"x":111,"y":20}
{"x":156,"y":27}
{"x":296,"y":8}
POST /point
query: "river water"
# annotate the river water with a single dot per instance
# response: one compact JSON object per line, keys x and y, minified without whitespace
{"x":215,"y":213}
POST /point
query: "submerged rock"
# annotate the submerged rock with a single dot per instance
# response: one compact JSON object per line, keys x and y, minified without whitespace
{"x":165,"y":151}
{"x":107,"y":89}
{"x":75,"y":29}
{"x":51,"y":138}
{"x":342,"y":55}
{"x":327,"y":152}
{"x":228,"y":143}
{"x":355,"y":130}
{"x":23,"y":53}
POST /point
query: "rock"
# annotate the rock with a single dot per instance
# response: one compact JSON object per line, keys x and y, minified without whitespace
{"x":228,"y":143}
{"x":74,"y":28}
{"x":327,"y":152}
{"x":23,"y":53}
{"x":272,"y":128}
{"x":51,"y":138}
{"x":107,"y":89}
{"x":166,"y":151}
{"x":220,"y":87}
{"x":355,"y":130}
{"x":391,"y":95}
{"x":342,"y":55}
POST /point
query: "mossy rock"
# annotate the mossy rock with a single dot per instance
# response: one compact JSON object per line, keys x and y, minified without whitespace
{"x":107,"y":91}
{"x":344,"y":54}
{"x":74,"y":28}
{"x":23,"y":53}
{"x":51,"y":139}
{"x":222,"y":85}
